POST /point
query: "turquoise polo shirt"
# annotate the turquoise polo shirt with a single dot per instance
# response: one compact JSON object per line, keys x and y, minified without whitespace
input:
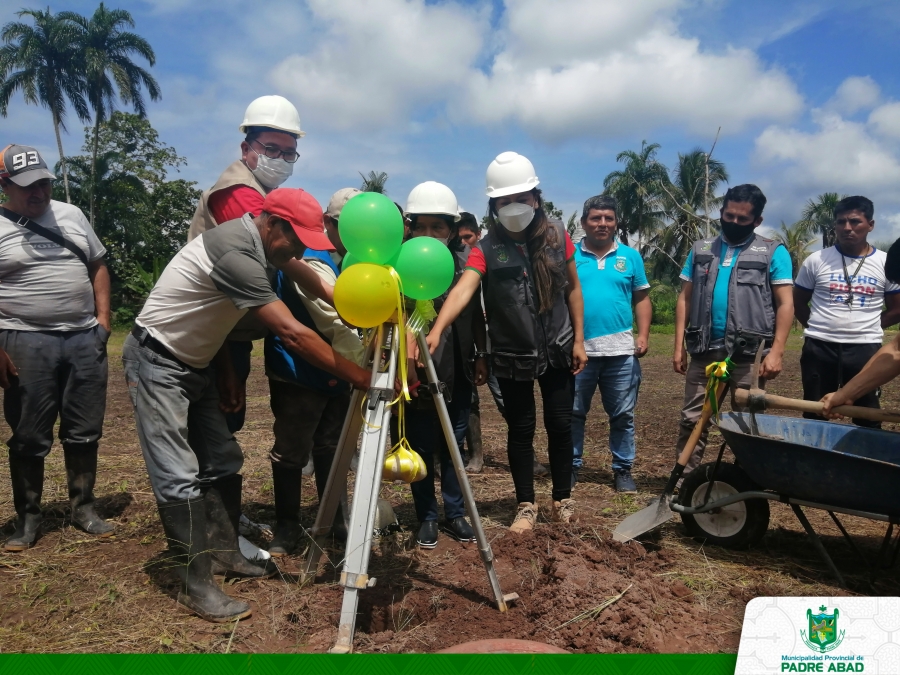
{"x":608,"y":284}
{"x":780,"y":272}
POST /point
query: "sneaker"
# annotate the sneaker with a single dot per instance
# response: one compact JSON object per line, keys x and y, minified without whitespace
{"x":563,"y":511}
{"x":624,"y":482}
{"x":428,"y":534}
{"x":525,"y":518}
{"x":458,"y":529}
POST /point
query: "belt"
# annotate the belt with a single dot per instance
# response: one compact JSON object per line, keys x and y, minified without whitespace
{"x":142,"y":335}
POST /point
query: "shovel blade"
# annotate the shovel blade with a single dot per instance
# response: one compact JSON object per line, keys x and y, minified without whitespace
{"x":657,"y":513}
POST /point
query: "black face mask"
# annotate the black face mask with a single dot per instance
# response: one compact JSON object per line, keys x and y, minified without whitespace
{"x":736,"y":233}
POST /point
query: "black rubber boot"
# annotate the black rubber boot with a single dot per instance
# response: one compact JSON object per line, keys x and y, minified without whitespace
{"x":339,"y":526}
{"x":223,"y":513}
{"x":286,"y":483}
{"x":184,"y":523}
{"x":81,"y":472}
{"x":27,"y":484}
{"x":474,"y":443}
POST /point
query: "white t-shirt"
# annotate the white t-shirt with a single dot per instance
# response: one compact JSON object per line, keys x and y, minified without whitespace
{"x":44,"y":286}
{"x":206,"y":288}
{"x":830,"y":318}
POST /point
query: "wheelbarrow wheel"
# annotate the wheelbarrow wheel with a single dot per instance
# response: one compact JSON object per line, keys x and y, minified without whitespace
{"x":736,"y":526}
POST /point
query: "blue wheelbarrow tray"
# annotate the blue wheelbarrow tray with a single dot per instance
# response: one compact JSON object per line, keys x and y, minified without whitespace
{"x":841,"y":465}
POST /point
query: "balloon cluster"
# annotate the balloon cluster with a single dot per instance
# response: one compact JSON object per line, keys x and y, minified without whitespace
{"x":366,"y":292}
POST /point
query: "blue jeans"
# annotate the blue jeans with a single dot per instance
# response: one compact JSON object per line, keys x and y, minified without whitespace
{"x":425,"y":435}
{"x":619,"y":378}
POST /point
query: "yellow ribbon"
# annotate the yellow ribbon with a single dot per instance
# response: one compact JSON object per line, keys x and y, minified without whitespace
{"x":718,"y":371}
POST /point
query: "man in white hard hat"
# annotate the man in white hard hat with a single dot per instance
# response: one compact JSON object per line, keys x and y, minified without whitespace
{"x":268,"y":154}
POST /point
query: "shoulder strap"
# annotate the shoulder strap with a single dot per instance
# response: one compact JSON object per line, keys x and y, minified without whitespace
{"x":42,"y":231}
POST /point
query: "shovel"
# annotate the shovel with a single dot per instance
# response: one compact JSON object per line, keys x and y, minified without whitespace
{"x":757,"y":399}
{"x":658,"y":512}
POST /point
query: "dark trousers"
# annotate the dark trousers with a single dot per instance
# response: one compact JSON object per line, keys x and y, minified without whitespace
{"x":61,"y":374}
{"x":426,"y":436}
{"x":240,"y":360}
{"x":307,"y":422}
{"x":827,"y":366}
{"x":558,"y":394}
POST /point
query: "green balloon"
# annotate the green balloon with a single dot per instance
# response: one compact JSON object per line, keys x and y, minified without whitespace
{"x":371,"y":228}
{"x":426,"y":268}
{"x":350,"y":260}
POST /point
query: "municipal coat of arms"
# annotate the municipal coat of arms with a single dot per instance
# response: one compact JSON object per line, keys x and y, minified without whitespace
{"x":502,"y":255}
{"x":621,"y":265}
{"x":823,"y":635}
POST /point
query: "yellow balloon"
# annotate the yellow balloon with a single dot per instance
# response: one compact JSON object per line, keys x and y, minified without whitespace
{"x":365,"y":295}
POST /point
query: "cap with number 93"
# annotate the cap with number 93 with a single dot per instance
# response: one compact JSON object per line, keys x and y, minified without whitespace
{"x":23,"y":165}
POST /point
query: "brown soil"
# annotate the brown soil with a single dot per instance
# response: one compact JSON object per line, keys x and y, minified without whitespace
{"x":577,"y":588}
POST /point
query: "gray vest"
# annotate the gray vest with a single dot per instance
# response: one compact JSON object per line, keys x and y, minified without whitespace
{"x":751,"y":316}
{"x":523,"y":342}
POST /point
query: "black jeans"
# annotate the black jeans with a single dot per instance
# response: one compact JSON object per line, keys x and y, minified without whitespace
{"x":558,"y":394}
{"x":828,"y":366}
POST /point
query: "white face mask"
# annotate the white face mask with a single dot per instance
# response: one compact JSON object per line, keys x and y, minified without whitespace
{"x":271,"y":172}
{"x":516,"y":217}
{"x":444,"y":240}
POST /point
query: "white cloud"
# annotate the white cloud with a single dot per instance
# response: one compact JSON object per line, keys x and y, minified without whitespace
{"x":377,"y":60}
{"x":854,"y":94}
{"x":885,"y":120}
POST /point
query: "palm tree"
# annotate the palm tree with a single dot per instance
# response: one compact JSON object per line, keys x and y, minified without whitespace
{"x":39,"y":60}
{"x":685,"y":203}
{"x":797,"y":240}
{"x":106,"y":60}
{"x":818,"y":216}
{"x":374,"y":182}
{"x":637,"y":191}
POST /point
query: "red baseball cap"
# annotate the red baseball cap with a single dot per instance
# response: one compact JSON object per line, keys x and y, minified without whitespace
{"x":303,"y":212}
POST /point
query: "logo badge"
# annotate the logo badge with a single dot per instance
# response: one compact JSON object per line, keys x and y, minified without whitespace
{"x":823,"y":635}
{"x":502,"y":255}
{"x":707,"y":246}
{"x":621,"y":264}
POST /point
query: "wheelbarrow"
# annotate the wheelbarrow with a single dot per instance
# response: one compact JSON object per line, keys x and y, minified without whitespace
{"x":839,"y":468}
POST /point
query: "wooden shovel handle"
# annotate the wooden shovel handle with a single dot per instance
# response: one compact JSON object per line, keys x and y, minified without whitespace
{"x":742,"y":397}
{"x":702,"y":423}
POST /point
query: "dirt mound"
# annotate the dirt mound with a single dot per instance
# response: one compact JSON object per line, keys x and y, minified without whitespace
{"x":568,"y":582}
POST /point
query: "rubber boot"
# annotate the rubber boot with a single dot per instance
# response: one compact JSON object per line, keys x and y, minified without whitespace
{"x":473,"y":441}
{"x":81,"y":472}
{"x":286,"y":484}
{"x":184,"y":523}
{"x":223,"y":514}
{"x":339,"y":526}
{"x":27,"y":484}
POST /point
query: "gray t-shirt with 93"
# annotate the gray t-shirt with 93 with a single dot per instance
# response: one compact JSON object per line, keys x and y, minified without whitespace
{"x":44,"y":286}
{"x":206,"y":289}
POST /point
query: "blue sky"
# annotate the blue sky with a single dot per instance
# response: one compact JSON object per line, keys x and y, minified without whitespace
{"x":807,"y":93}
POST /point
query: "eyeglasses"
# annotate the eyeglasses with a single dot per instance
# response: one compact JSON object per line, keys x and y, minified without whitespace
{"x":274,"y":152}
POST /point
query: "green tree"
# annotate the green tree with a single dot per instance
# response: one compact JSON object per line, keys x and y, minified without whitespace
{"x":40,"y":59}
{"x":797,"y":240}
{"x":685,"y":202}
{"x":637,"y":189}
{"x":142,"y":217}
{"x":374,"y":182}
{"x":552,"y":212}
{"x":818,"y":216}
{"x":105,"y":52}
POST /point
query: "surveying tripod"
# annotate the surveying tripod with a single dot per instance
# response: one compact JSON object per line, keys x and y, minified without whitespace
{"x":374,"y":423}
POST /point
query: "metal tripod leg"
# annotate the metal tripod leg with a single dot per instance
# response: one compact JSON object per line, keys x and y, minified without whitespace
{"x":484,"y":547}
{"x":375,"y":435}
{"x":336,"y":487}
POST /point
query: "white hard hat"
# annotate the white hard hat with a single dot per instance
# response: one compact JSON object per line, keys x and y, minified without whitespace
{"x":273,"y":112}
{"x":433,"y":199}
{"x":510,"y":173}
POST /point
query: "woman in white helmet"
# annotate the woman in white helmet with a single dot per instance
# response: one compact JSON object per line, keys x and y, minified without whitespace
{"x":535,"y":320}
{"x":433,"y":212}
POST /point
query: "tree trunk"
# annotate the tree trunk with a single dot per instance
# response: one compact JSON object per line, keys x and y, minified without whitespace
{"x":94,"y":162}
{"x":62,"y":158}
